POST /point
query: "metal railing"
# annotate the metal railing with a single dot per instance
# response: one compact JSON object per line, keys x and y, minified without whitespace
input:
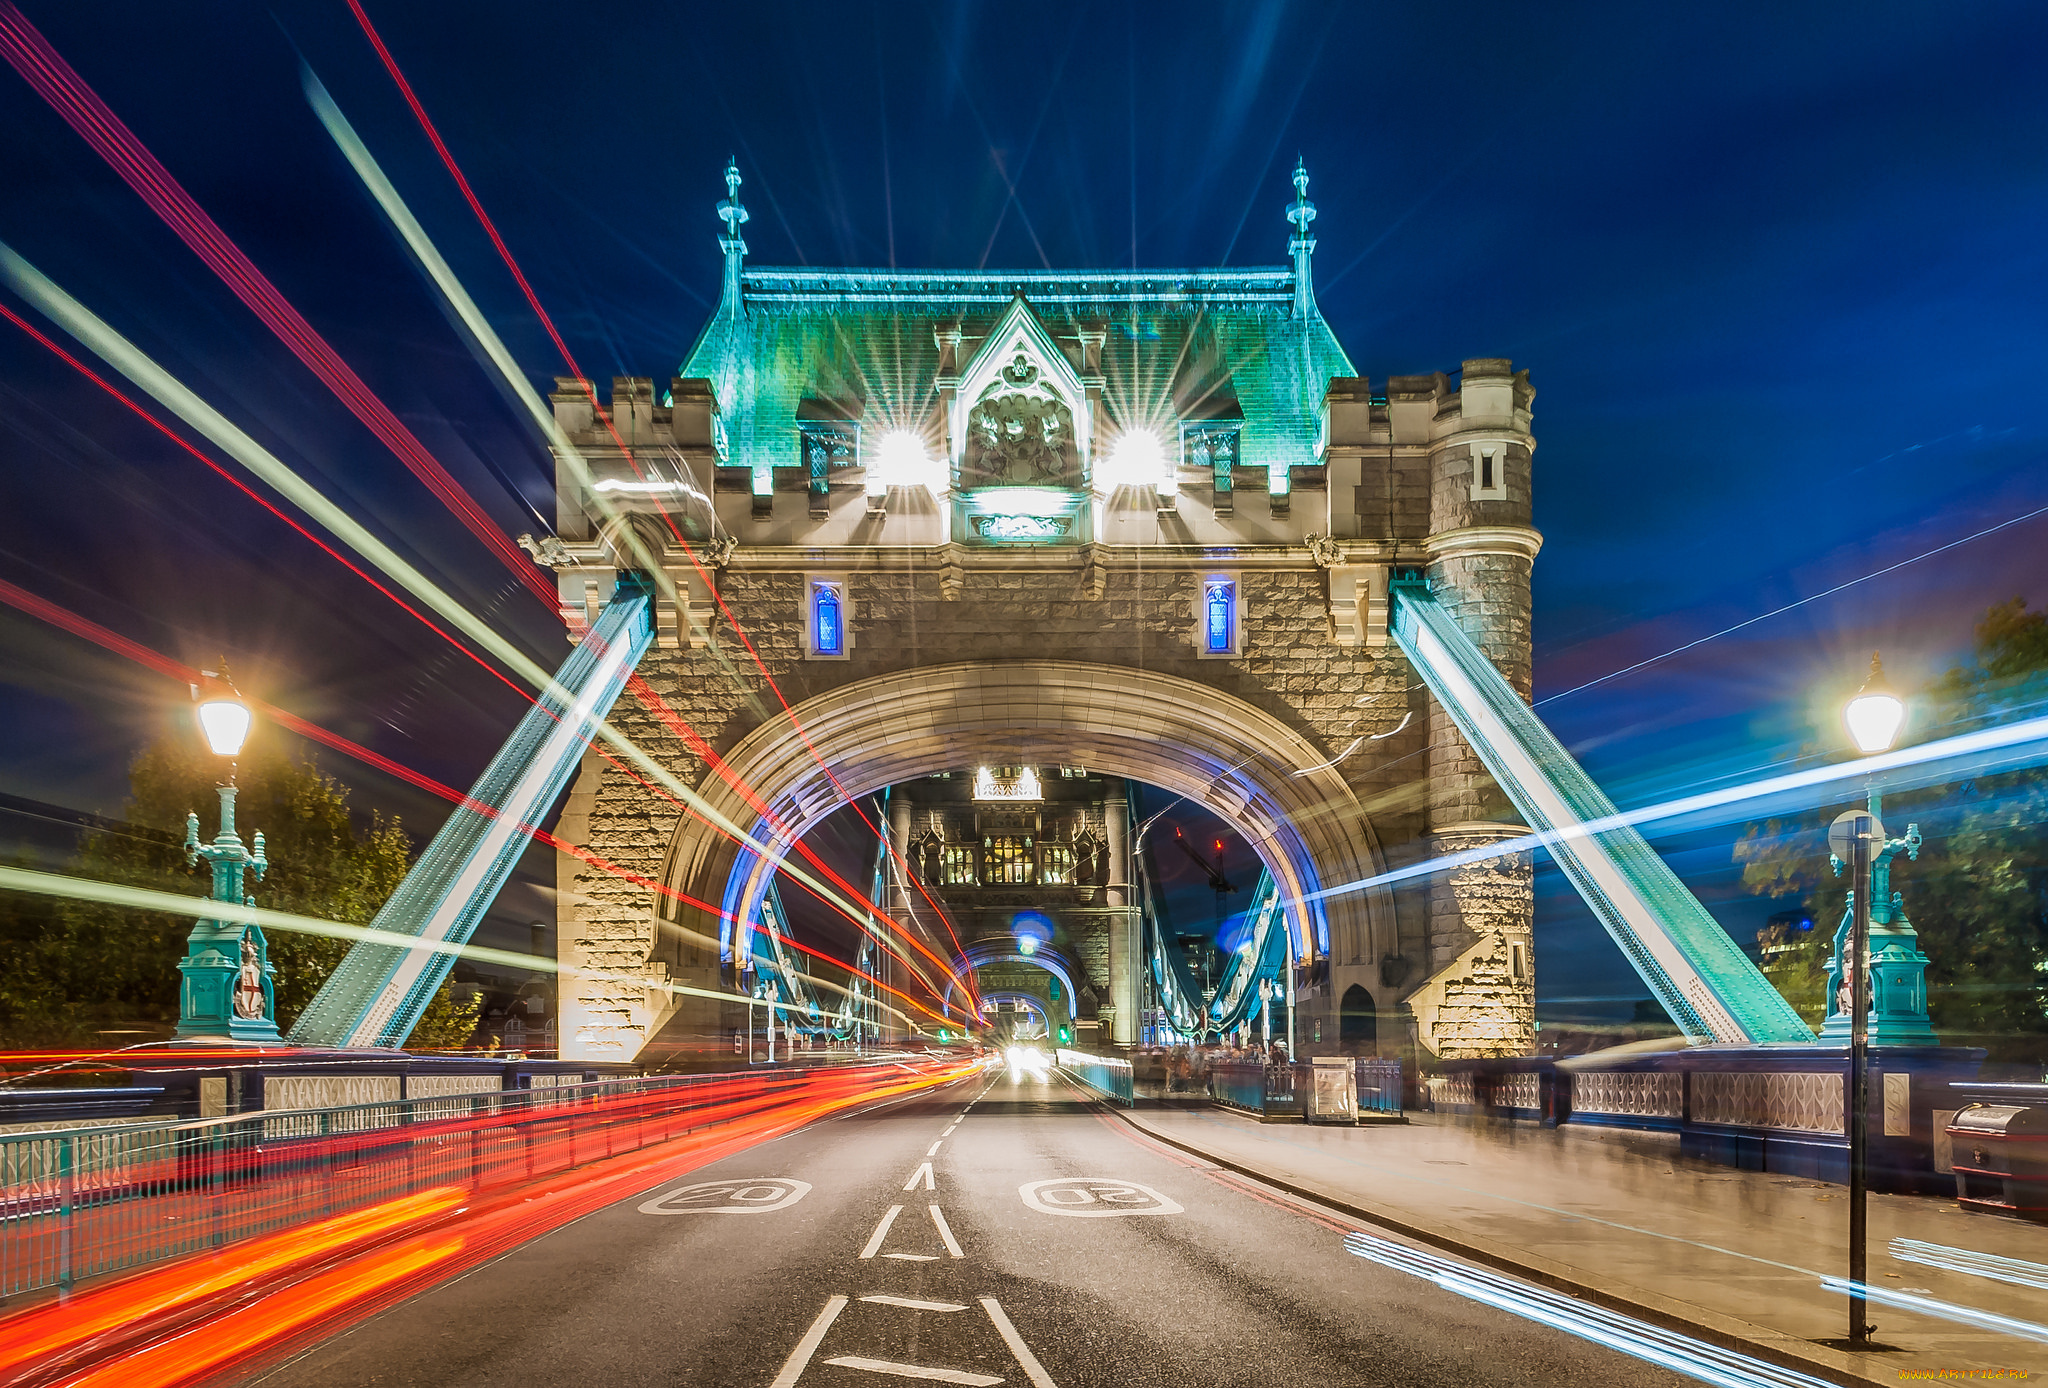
{"x":1106,"y":1075}
{"x":79,"y":1202}
{"x":1379,"y":1086}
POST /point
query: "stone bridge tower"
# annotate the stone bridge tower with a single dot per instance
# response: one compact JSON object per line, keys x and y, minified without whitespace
{"x":907,"y":523}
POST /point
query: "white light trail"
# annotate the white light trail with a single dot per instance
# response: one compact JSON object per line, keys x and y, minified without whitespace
{"x":2017,"y":1272}
{"x":199,"y":907}
{"x":2010,"y":743}
{"x":1679,"y":1353}
{"x":90,"y":330}
{"x":1945,"y":1310}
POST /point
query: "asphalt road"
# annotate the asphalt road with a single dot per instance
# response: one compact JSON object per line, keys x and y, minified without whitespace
{"x":1033,"y":1241}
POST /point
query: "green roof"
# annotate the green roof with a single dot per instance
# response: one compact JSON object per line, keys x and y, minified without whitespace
{"x":860,"y":345}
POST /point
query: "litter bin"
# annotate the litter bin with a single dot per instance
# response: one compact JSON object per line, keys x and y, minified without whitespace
{"x":1332,"y":1091}
{"x":2001,"y":1158}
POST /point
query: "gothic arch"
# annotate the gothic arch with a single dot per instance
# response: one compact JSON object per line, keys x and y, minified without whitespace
{"x":1242,"y":764}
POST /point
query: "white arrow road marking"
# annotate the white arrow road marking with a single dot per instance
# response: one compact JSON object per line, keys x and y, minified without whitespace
{"x":913,"y":1257}
{"x":1026,"y":1360}
{"x":910,"y":1304}
{"x":881,"y":1232}
{"x":800,"y":1357}
{"x":925,"y":1171}
{"x":883,"y":1366}
{"x":946,"y":1232}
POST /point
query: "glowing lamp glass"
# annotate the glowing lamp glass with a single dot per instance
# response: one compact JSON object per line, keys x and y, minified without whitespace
{"x":1139,"y":460}
{"x":1874,"y":718}
{"x":1027,"y":944}
{"x":902,"y":460}
{"x":225,"y":722}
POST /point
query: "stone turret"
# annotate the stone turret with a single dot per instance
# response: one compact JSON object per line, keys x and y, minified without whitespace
{"x":1480,"y":549}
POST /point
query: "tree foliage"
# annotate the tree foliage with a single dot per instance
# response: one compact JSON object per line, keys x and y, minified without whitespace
{"x":84,"y":966}
{"x":1978,"y":896}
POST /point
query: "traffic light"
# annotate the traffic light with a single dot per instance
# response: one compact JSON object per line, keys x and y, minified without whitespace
{"x":1065,"y":1036}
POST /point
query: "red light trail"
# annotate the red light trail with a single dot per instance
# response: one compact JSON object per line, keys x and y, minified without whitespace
{"x":42,"y":67}
{"x":433,"y":134}
{"x":47,"y":72}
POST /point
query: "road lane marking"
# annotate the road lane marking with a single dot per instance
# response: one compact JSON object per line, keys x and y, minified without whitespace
{"x":913,"y":1257}
{"x":949,"y":1130}
{"x":946,"y":1233}
{"x":1028,"y":1361}
{"x":913,"y":1305}
{"x":933,"y":1150}
{"x":1094,"y":1197}
{"x":800,"y":1357}
{"x":924,"y":1171}
{"x":756,"y":1195}
{"x":881,"y":1232}
{"x":883,"y":1366}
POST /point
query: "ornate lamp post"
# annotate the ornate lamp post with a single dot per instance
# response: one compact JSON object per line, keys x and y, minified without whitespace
{"x":1894,"y":1011}
{"x":1858,"y":841}
{"x":229,"y":987}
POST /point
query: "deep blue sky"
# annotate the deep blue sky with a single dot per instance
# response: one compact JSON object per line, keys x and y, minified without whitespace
{"x":1777,"y":273}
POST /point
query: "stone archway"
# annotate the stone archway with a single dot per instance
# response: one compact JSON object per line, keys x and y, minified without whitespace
{"x":1270,"y":783}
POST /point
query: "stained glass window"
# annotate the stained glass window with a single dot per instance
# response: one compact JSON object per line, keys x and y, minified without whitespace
{"x":828,"y":621}
{"x":1056,"y":865}
{"x":1008,"y":861}
{"x":1219,"y":617}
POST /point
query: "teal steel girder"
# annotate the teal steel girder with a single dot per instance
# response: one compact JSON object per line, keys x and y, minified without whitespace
{"x":1696,"y":971}
{"x":378,"y":993}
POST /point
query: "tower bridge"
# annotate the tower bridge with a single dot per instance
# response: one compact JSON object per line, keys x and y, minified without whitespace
{"x":994,"y":546}
{"x":1137,"y":522}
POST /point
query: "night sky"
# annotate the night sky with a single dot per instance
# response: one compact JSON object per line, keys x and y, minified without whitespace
{"x":1776,"y":271}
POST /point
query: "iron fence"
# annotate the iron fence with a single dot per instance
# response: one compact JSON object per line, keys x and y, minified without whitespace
{"x":79,"y":1202}
{"x":1107,"y":1076}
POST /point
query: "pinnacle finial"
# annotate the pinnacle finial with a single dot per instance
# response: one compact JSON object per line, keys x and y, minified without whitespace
{"x":1301,"y":211}
{"x":729,"y":209}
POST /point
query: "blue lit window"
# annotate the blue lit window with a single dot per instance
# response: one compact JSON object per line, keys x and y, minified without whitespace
{"x":1219,"y":617}
{"x":825,"y":630}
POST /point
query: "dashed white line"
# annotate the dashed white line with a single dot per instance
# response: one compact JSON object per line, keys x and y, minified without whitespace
{"x":946,"y":1233}
{"x":800,"y":1357}
{"x":883,"y":1366}
{"x":881,"y":1232}
{"x":909,"y":1303}
{"x":913,"y":1257}
{"x":949,"y":1130}
{"x":924,"y":1171}
{"x":1033,"y":1370}
{"x":933,"y":1150}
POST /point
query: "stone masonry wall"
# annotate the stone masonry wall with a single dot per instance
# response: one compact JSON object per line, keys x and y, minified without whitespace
{"x":902,"y":620}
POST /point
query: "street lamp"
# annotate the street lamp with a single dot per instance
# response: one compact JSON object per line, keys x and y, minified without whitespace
{"x":1857,"y":841}
{"x":1875,"y":714}
{"x":229,"y":987}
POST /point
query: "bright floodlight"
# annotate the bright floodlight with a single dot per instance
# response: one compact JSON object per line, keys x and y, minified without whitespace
{"x":1139,"y":460}
{"x":226,"y":725}
{"x":1875,"y":714}
{"x":1027,"y":944}
{"x":902,"y":460}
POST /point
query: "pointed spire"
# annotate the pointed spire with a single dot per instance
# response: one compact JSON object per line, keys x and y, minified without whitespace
{"x":1301,"y":245}
{"x":731,"y":242}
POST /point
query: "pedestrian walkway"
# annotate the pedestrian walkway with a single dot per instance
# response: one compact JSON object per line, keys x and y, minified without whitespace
{"x":1622,"y":1217}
